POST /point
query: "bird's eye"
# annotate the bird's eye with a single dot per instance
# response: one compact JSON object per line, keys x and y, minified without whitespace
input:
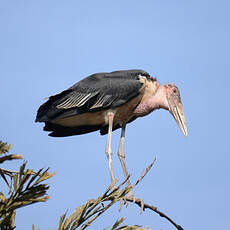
{"x":174,"y":90}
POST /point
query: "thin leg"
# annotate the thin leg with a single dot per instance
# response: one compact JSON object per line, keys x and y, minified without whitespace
{"x":121,"y":153}
{"x":108,"y":150}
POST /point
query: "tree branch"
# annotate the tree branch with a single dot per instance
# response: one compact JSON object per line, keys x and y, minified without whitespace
{"x":144,"y":206}
{"x":10,"y":157}
{"x":138,"y":202}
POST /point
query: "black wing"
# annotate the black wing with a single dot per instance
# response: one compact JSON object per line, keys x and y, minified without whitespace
{"x":97,"y":92}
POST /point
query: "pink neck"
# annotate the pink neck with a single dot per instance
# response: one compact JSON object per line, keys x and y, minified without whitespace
{"x":158,"y":101}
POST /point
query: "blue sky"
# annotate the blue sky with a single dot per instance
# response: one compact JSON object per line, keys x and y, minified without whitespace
{"x":47,"y":46}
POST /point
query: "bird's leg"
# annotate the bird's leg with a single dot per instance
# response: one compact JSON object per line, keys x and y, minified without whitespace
{"x":121,"y":155}
{"x":108,"y":150}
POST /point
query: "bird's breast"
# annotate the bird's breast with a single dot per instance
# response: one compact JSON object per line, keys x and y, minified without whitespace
{"x":145,"y":106}
{"x":124,"y":113}
{"x":143,"y":109}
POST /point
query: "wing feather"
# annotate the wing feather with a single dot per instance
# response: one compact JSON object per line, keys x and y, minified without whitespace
{"x":96,"y":92}
{"x":75,"y":100}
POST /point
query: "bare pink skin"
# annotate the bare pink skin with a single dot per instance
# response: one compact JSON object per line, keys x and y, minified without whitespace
{"x":158,"y":101}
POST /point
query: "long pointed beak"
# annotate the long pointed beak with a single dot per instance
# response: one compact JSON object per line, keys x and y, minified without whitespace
{"x":176,"y":109}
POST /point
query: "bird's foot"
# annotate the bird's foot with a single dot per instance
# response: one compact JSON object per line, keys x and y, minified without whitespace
{"x":131,"y":198}
{"x":113,"y":186}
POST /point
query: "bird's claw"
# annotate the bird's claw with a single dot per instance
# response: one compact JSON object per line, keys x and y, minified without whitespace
{"x":130,"y":197}
{"x":113,"y":186}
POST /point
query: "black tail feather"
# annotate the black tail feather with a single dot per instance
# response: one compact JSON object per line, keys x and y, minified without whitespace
{"x":61,"y":131}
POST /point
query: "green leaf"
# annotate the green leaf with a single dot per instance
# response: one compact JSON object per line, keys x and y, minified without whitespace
{"x":118,"y":222}
{"x":15,"y":182}
{"x":44,"y":176}
{"x":4,"y":178}
{"x":33,"y":178}
{"x":4,"y":147}
{"x":21,"y":172}
{"x":61,"y":222}
{"x":2,"y":198}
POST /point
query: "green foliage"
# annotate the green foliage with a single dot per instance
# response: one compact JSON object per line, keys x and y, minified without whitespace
{"x":125,"y":227}
{"x":4,"y":147}
{"x":86,"y":214}
{"x":25,"y":188}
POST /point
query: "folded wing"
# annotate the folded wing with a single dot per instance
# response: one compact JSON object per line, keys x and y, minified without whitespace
{"x":97,"y":92}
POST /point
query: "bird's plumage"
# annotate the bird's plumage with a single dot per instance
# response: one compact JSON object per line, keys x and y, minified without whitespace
{"x":108,"y":101}
{"x":95,"y":93}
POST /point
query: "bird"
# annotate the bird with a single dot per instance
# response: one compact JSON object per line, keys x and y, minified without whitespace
{"x":108,"y":101}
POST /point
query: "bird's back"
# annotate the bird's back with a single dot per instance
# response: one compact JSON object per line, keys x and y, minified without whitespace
{"x":93,"y":94}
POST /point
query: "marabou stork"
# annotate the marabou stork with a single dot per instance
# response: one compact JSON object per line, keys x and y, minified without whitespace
{"x":106,"y":102}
